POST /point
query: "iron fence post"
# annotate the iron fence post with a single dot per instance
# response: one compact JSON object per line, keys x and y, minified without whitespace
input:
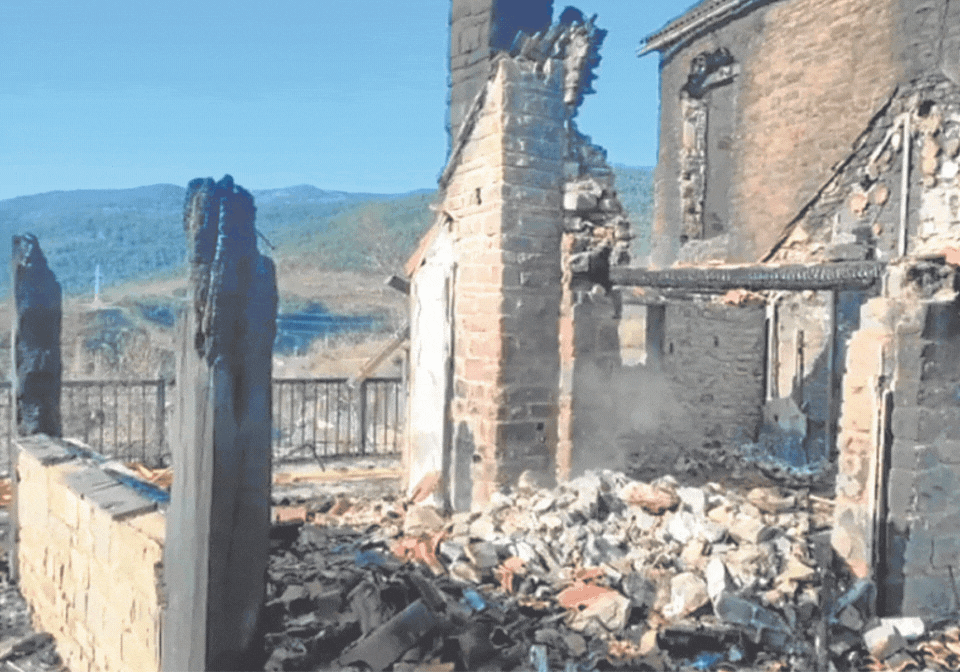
{"x":161,"y":417}
{"x":363,"y":417}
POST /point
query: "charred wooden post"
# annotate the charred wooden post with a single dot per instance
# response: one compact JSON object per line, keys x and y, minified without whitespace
{"x":36,"y":340}
{"x":35,"y":350}
{"x":219,"y":518}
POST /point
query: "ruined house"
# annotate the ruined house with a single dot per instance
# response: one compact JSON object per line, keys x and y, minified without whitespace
{"x":527,"y":223}
{"x":798,"y":313}
{"x":808,"y":154}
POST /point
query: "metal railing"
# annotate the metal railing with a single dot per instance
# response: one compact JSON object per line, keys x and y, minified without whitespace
{"x":317,"y":418}
{"x":313,"y":418}
{"x":122,"y":419}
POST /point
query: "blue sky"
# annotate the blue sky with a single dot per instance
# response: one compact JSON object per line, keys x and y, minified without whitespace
{"x":341,"y":95}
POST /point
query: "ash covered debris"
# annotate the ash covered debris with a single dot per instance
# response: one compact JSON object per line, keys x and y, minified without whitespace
{"x":602,"y":572}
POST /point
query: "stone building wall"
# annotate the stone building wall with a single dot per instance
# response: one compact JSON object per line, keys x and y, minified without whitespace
{"x":896,"y":517}
{"x":89,"y":553}
{"x":504,"y":198}
{"x":714,"y":358}
{"x":922,"y":535}
{"x":802,"y":83}
{"x":684,"y":404}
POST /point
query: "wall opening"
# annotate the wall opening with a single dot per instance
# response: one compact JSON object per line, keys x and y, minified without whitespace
{"x":655,"y":332}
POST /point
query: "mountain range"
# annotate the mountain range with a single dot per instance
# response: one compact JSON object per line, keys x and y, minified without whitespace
{"x":137,"y":233}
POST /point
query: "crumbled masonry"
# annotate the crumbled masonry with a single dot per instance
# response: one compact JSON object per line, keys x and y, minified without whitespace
{"x":602,"y":572}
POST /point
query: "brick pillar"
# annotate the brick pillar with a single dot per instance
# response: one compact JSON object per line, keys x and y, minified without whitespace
{"x":505,"y":199}
{"x":858,"y":437}
{"x":35,"y":339}
{"x":478,"y":29}
{"x":217,"y":543}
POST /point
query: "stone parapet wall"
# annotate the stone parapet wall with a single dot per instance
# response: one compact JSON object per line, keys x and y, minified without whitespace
{"x":89,"y":554}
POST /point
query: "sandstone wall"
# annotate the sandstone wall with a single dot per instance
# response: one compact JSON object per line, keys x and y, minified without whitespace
{"x":812,"y":74}
{"x":898,"y":476}
{"x":89,"y":558}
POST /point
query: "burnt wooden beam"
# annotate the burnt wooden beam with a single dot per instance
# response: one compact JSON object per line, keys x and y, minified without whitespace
{"x":218,"y":523}
{"x":850,"y":275}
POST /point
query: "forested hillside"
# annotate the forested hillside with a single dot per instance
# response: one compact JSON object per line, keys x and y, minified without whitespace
{"x":137,"y":233}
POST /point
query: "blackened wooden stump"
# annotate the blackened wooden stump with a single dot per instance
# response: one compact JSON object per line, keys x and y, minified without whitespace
{"x":36,"y":340}
{"x":218,"y":523}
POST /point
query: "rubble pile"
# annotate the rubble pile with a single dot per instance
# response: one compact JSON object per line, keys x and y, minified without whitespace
{"x":602,"y":572}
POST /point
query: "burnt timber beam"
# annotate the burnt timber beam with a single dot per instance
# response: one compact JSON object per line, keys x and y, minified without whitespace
{"x":850,"y":275}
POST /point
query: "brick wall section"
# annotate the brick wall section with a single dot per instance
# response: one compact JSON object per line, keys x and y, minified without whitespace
{"x":505,"y":199}
{"x":714,"y":357}
{"x":813,"y":73}
{"x":90,"y":579}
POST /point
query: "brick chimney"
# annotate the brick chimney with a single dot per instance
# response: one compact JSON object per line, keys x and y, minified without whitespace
{"x":478,"y":30}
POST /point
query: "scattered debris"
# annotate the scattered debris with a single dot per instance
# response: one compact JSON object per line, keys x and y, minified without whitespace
{"x":597,"y":572}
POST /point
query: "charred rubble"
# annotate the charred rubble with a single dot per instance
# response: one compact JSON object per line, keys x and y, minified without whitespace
{"x":602,"y":572}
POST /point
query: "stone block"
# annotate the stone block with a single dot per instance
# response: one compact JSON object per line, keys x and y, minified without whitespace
{"x":936,"y":489}
{"x":946,"y":552}
{"x":903,"y":454}
{"x":918,"y":549}
{"x":906,"y":422}
{"x":907,"y":390}
{"x":883,"y":641}
{"x":859,"y":411}
{"x":927,"y":596}
{"x":948,"y":451}
{"x":934,"y":425}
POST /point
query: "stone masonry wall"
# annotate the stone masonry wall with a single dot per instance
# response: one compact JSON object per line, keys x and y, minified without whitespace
{"x":922,"y":534}
{"x":88,"y":569}
{"x":898,"y":484}
{"x":589,"y":361}
{"x":811,"y":75}
{"x":868,"y":356}
{"x":713,"y":355}
{"x":505,"y":201}
{"x":698,"y":391}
